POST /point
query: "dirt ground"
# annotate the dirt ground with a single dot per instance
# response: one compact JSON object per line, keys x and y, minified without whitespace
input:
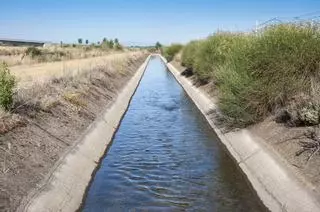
{"x":284,"y":141}
{"x":38,"y":133}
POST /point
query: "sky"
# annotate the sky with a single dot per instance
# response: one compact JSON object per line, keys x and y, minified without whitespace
{"x":139,"y":22}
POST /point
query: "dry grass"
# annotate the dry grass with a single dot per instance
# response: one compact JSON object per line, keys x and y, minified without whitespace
{"x":75,"y":99}
{"x":45,"y":86}
{"x":28,"y":74}
{"x":17,"y":55}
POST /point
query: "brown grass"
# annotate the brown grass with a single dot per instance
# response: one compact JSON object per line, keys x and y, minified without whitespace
{"x":28,"y":74}
{"x":17,"y":55}
{"x":44,"y":86}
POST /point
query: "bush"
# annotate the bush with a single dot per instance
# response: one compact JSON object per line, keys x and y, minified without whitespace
{"x":33,"y":52}
{"x":213,"y":52}
{"x":257,"y":74}
{"x":189,"y":54}
{"x":170,"y":51}
{"x":235,"y":84}
{"x":7,"y":83}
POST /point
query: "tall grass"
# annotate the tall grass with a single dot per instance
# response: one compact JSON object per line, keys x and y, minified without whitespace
{"x":189,"y":54}
{"x":258,"y":74}
{"x":170,"y":51}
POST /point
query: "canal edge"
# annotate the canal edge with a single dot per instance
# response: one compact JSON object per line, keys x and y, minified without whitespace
{"x":66,"y":184}
{"x":276,"y":185}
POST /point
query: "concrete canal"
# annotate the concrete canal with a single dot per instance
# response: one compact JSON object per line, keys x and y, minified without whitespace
{"x":165,"y":157}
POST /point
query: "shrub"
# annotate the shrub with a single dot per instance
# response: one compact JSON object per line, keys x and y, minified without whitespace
{"x":285,"y":59}
{"x":212,"y":53}
{"x":258,"y":74}
{"x":33,"y":52}
{"x":189,"y":54}
{"x":236,"y":85}
{"x":118,"y":46}
{"x":170,"y":51}
{"x":7,"y":83}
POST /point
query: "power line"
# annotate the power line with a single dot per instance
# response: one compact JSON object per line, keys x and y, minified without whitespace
{"x":312,"y":17}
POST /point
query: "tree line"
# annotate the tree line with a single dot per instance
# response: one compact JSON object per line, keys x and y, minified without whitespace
{"x":111,"y":44}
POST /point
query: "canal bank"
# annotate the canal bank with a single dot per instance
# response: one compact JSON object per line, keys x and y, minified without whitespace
{"x":276,"y":185}
{"x":65,"y":185}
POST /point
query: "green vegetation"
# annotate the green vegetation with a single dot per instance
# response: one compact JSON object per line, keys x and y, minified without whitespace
{"x":258,"y":74}
{"x":188,"y":54}
{"x":43,"y":55}
{"x":170,"y":51}
{"x":117,"y":45}
{"x":109,"y":44}
{"x":7,"y":83}
{"x":33,"y":52}
{"x":158,"y":45}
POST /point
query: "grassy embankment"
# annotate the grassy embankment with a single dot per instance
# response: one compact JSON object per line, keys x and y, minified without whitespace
{"x":41,"y":121}
{"x":256,"y":75}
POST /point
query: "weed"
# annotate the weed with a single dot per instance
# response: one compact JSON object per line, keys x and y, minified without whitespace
{"x":75,"y":99}
{"x":7,"y":84}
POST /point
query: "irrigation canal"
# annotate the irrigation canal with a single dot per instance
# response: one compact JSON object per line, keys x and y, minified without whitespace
{"x":165,"y":157}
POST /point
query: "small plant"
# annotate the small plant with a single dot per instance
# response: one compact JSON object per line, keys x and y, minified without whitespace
{"x":7,"y":83}
{"x":75,"y":99}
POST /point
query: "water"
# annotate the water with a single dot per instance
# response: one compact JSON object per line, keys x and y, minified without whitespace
{"x":165,"y":157}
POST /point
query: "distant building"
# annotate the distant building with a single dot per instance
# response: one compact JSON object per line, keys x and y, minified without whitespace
{"x":15,"y":42}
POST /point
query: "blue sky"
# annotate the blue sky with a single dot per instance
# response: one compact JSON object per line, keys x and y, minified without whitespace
{"x":139,"y":22}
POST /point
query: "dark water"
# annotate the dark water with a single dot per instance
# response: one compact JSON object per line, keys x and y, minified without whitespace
{"x":165,"y":157}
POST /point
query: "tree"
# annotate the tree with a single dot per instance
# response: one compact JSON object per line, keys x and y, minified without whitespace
{"x":80,"y":40}
{"x":158,"y":45}
{"x":87,"y":41}
{"x":105,"y":43}
{"x":110,"y":44}
{"x":117,"y":45}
